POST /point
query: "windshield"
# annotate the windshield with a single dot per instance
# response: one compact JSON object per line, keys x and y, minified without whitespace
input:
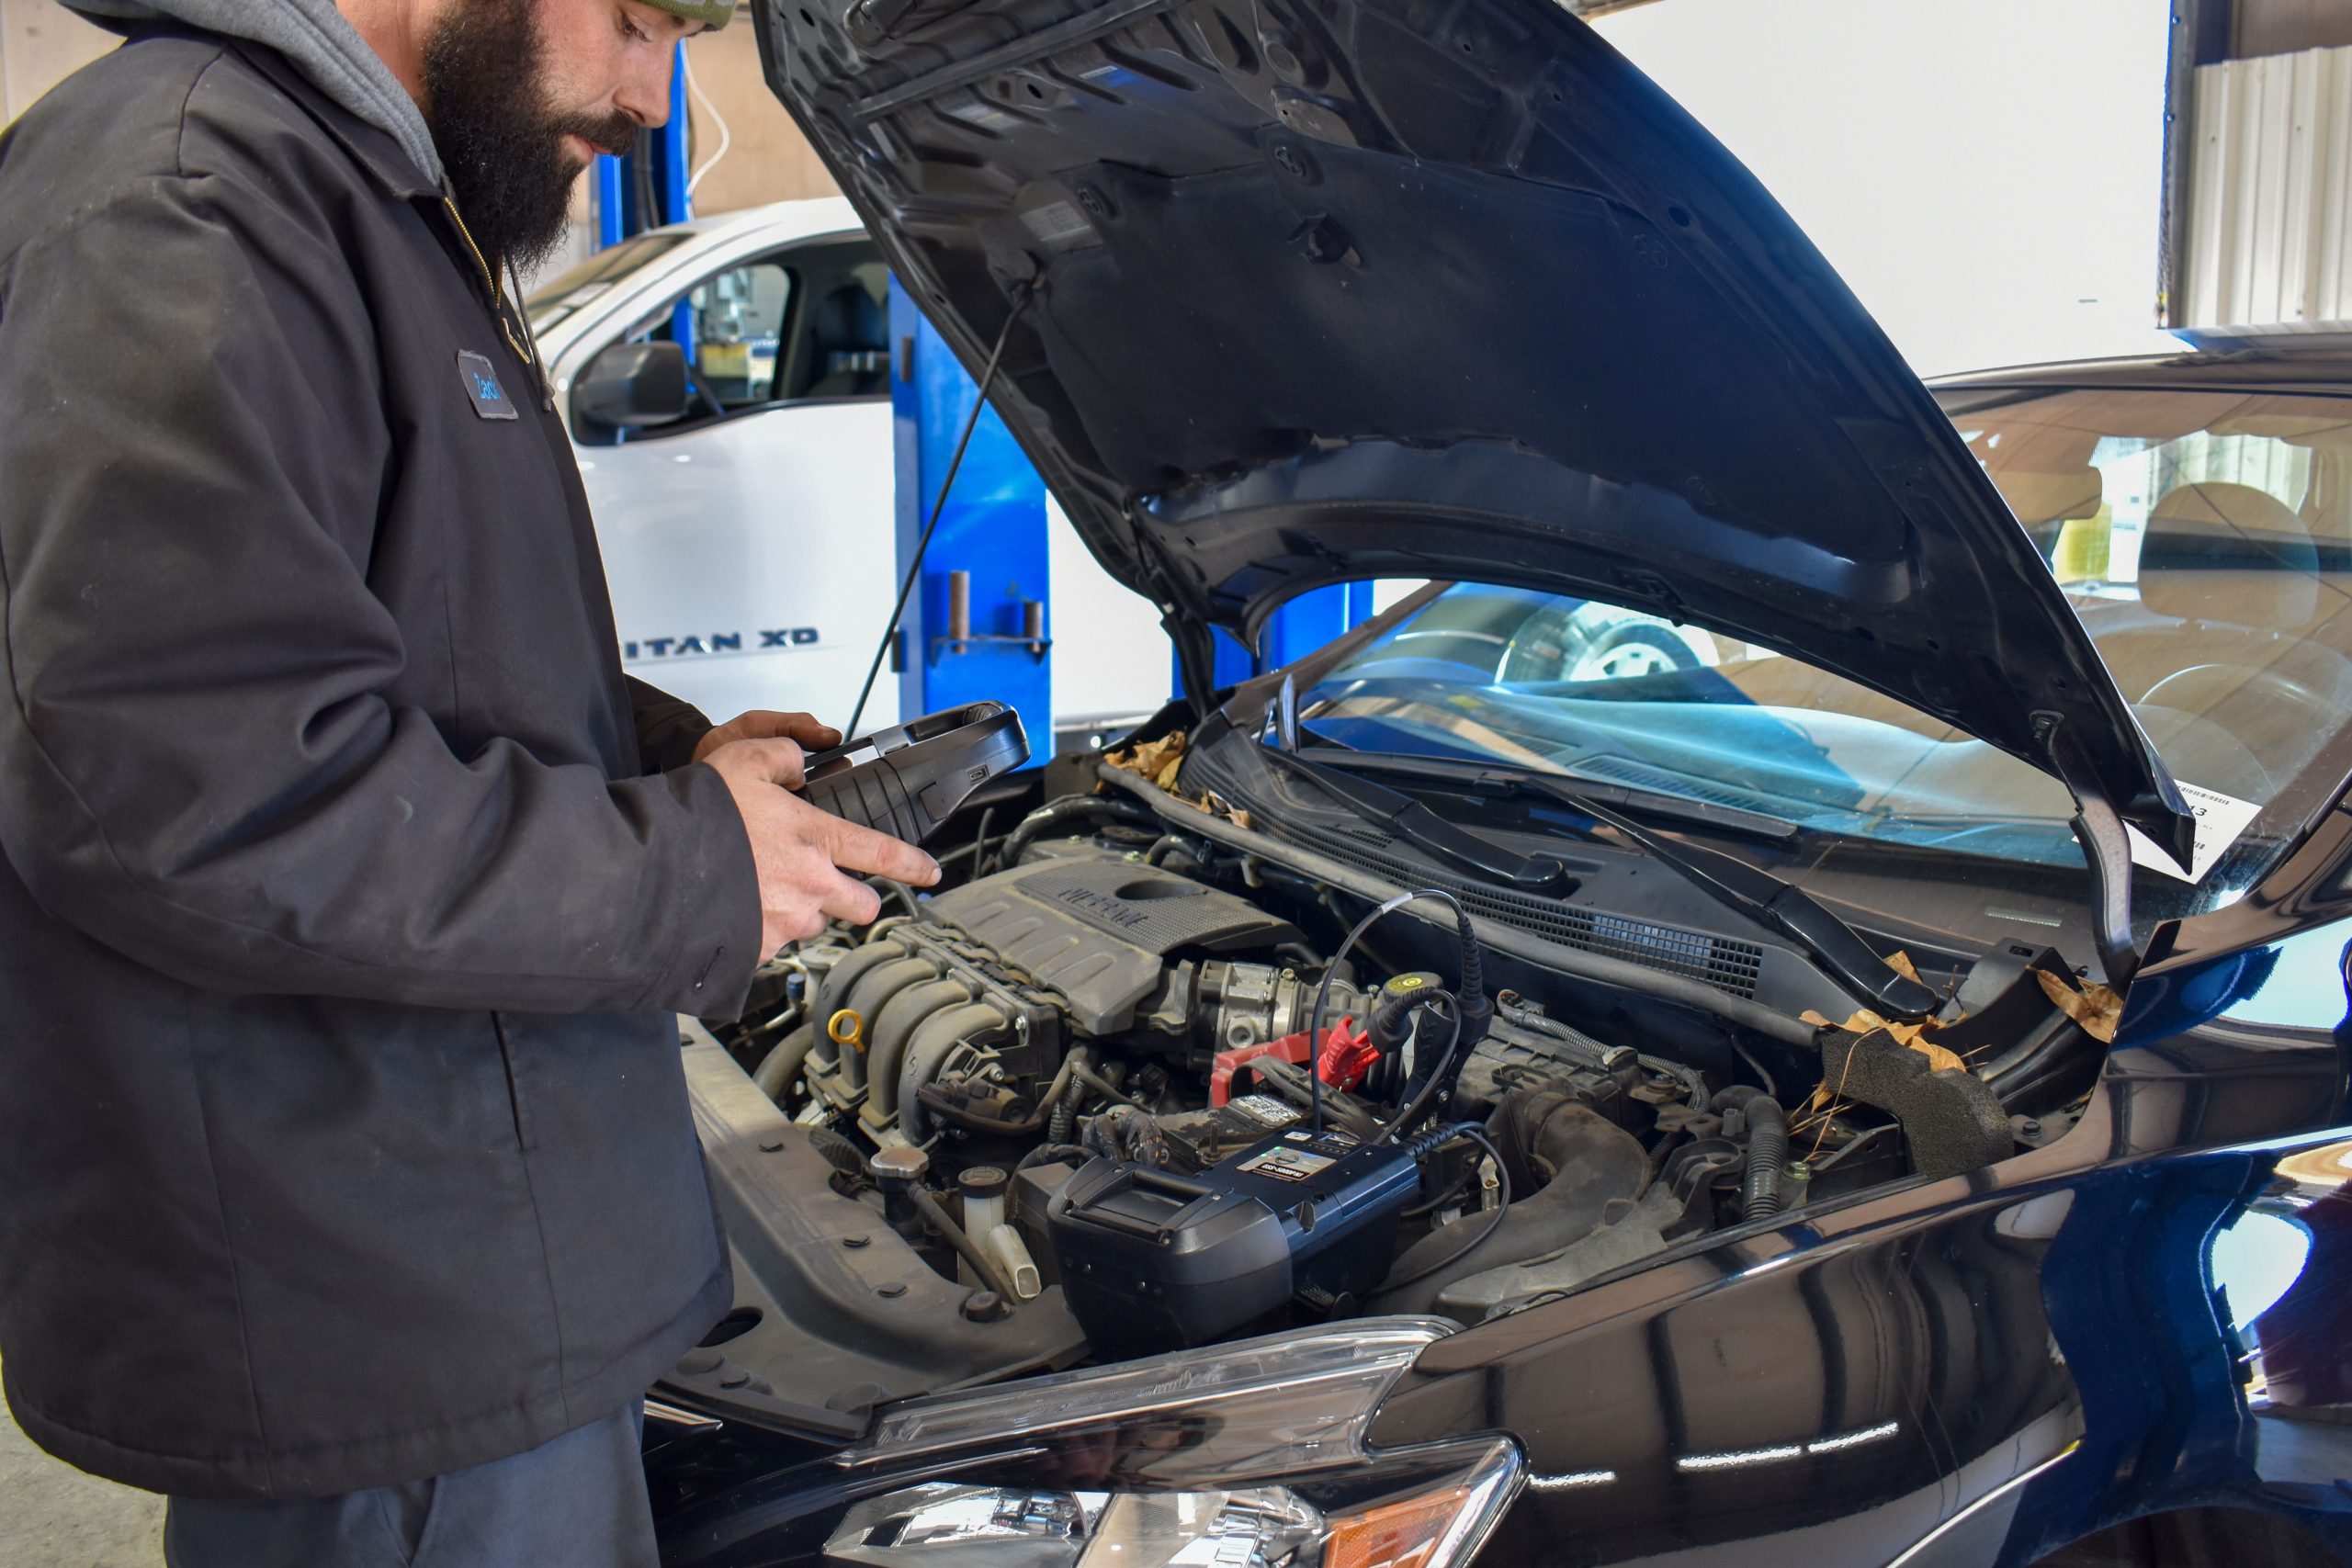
{"x":574,"y":286}
{"x":2203,"y":538}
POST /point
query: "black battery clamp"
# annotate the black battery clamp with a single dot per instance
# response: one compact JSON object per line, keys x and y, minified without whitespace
{"x":909,"y":778}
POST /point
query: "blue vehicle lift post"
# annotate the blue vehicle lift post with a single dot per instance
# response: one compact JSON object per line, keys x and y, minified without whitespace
{"x":977,"y":627}
{"x":993,"y":530}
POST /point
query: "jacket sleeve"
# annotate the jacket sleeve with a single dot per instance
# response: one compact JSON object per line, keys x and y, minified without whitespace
{"x":668,"y":727}
{"x":198,"y":765}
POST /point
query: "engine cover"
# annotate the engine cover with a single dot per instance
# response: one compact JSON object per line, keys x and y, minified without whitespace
{"x":1098,"y":931}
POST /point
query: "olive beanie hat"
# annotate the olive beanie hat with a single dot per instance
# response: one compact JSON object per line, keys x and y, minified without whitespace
{"x":712,"y":13}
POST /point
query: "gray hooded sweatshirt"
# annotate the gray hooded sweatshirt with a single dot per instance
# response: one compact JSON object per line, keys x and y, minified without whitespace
{"x":312,"y":34}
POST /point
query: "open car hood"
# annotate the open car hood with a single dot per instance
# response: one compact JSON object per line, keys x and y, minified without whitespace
{"x":1388,"y":289}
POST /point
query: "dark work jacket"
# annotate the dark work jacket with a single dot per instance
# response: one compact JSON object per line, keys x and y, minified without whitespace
{"x":342,"y":1134}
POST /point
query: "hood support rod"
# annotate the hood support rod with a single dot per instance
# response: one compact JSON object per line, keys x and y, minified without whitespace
{"x":2098,"y":828}
{"x":1021,"y":295}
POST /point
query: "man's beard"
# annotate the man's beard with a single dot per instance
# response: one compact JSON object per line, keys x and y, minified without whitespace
{"x":500,"y":141}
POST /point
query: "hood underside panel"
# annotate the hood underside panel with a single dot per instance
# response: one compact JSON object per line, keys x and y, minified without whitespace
{"x":1384,"y":288}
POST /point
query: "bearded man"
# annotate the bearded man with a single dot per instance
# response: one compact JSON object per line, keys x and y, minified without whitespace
{"x":348,"y":1193}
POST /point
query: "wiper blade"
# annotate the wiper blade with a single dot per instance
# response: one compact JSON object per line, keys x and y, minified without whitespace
{"x":1835,"y":948}
{"x":1424,"y":829}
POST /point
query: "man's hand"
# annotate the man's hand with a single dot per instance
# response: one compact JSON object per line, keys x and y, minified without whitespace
{"x":804,"y":855}
{"x":761,"y":724}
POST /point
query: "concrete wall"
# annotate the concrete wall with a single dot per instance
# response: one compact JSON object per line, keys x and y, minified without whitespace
{"x":40,"y":44}
{"x":1987,"y":174}
{"x":766,"y":158}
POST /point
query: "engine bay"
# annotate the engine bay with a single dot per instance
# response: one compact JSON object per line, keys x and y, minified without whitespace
{"x":1129,"y":1088}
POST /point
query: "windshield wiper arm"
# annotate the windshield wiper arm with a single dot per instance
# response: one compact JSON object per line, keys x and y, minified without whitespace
{"x":1424,"y":829}
{"x":1783,"y":908}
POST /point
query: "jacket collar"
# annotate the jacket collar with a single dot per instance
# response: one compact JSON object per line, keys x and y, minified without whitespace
{"x":374,"y":150}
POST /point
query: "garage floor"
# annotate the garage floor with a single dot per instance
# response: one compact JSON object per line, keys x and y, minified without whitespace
{"x":52,"y":1516}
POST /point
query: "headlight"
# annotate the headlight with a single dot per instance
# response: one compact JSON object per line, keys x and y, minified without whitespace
{"x":1248,"y":1455}
{"x":1429,"y":1513}
{"x":1280,"y":1405}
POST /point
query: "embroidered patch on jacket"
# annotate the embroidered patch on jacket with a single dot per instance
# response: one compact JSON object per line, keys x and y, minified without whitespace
{"x":490,"y":399}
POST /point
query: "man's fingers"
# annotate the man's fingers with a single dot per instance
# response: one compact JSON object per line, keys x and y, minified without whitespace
{"x":761,"y":723}
{"x":804,"y":727}
{"x":851,"y":902}
{"x":778,"y":762}
{"x":865,"y":851}
{"x":778,"y":931}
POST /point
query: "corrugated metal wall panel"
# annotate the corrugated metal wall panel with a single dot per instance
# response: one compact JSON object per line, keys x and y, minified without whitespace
{"x":2270,"y":193}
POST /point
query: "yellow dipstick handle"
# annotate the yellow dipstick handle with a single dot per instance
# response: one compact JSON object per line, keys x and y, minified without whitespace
{"x":846,"y":1027}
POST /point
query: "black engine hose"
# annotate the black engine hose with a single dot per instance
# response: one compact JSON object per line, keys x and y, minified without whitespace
{"x":934,"y":1100}
{"x":1061,"y":1122}
{"x":953,"y":1234}
{"x":1069,"y":808}
{"x":1767,"y":1148}
{"x":1170,"y":843}
{"x":839,"y":1152}
{"x":979,"y":844}
{"x":1050,"y":1153}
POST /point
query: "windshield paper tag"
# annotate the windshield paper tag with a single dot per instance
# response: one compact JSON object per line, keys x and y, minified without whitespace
{"x":2220,"y":819}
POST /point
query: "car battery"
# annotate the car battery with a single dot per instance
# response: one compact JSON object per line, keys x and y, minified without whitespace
{"x":1201,"y":1138}
{"x":1151,"y":1260}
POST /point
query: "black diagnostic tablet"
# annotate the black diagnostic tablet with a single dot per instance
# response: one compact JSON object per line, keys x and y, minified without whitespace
{"x":908,"y":779}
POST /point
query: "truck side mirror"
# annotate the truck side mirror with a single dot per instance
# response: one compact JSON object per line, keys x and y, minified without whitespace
{"x":632,"y":385}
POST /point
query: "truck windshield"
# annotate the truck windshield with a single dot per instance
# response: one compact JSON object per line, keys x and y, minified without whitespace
{"x":2204,"y":539}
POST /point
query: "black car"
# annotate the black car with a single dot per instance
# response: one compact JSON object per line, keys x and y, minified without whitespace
{"x":1874,"y":1097}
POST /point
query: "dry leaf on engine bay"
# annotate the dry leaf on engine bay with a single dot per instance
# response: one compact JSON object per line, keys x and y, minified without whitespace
{"x":1150,"y":758}
{"x":2097,"y":1007}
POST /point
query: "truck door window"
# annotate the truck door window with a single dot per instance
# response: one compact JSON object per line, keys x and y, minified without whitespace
{"x":808,"y":323}
{"x":731,"y":325}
